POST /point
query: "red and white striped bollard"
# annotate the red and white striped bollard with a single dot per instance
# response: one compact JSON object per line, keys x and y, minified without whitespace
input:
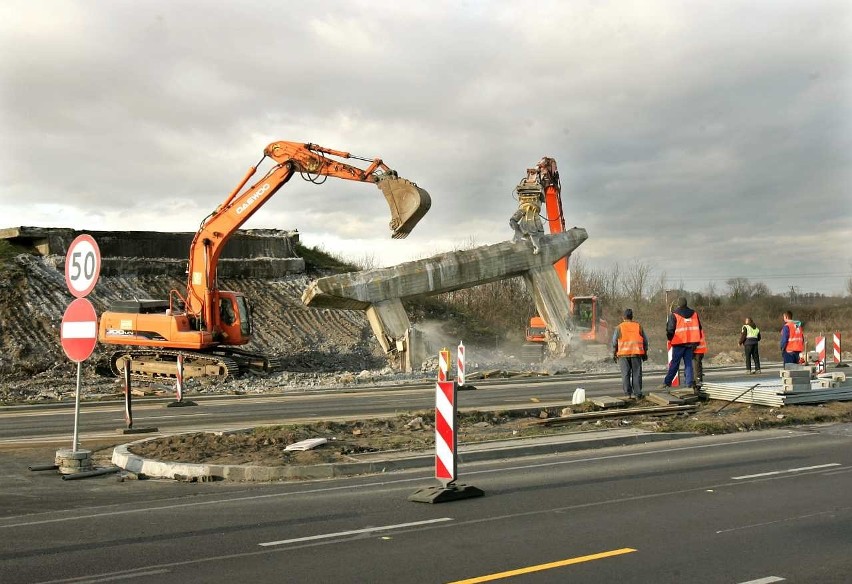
{"x":179,"y":378}
{"x":676,"y":380}
{"x":445,"y":432}
{"x":819,"y":346}
{"x":460,"y":365}
{"x":443,"y":364}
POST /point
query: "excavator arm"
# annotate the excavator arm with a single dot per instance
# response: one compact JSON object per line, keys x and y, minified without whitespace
{"x":408,"y":204}
{"x":548,"y":175}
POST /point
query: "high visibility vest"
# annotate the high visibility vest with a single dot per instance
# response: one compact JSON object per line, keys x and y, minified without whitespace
{"x":795,"y":338}
{"x":751,"y":332}
{"x":702,"y":345}
{"x":630,"y":341}
{"x":687,"y":330}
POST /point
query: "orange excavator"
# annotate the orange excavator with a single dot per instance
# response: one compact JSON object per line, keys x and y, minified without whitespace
{"x":205,"y":325}
{"x":586,"y":311}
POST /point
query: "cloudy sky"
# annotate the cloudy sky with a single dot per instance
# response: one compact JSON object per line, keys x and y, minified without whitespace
{"x":709,"y":139}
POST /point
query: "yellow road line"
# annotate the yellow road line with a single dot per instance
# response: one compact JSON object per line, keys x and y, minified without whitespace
{"x":549,"y":566}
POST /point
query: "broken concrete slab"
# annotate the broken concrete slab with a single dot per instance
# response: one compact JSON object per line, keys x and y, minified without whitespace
{"x":606,"y":401}
{"x":664,"y":398}
{"x":445,"y":272}
{"x":380,"y":292}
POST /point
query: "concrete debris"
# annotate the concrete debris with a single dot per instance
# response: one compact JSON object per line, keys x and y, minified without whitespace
{"x":308,"y":444}
{"x":415,"y":424}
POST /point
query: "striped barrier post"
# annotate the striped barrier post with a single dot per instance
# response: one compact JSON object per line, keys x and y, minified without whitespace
{"x":128,"y":403}
{"x":460,"y":365}
{"x":838,"y":355}
{"x":128,"y":395}
{"x":443,"y":364}
{"x":446,"y":444}
{"x":676,"y":380}
{"x":179,"y":378}
{"x":819,"y":347}
{"x":180,"y":385}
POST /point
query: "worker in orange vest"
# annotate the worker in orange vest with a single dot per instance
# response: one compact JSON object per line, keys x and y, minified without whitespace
{"x":792,"y":339}
{"x":630,"y":349}
{"x":683,"y":330}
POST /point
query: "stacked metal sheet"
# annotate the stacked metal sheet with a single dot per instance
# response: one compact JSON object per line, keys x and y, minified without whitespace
{"x":781,"y":392}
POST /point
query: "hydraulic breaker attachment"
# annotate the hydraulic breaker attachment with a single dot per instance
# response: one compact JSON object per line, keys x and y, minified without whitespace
{"x":408,"y":203}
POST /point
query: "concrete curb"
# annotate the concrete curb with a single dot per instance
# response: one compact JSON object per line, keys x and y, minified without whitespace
{"x":376,"y":463}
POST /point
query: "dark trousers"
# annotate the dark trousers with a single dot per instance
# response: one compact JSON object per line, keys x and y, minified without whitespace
{"x":680,"y":353}
{"x":699,"y":366}
{"x":751,"y":352}
{"x":790,"y":357}
{"x":631,"y":375}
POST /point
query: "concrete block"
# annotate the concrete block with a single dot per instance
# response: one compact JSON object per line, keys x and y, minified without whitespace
{"x":606,"y":401}
{"x":795,"y":374}
{"x":664,"y":399}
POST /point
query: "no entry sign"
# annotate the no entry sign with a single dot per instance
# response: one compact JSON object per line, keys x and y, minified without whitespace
{"x":82,"y":265}
{"x":79,"y":331}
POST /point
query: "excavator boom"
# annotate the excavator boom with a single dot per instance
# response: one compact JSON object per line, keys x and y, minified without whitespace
{"x":407,"y":202}
{"x":207,"y":323}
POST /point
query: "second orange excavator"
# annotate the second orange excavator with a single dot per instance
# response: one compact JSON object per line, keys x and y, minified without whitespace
{"x":542,"y":183}
{"x":206,"y":325}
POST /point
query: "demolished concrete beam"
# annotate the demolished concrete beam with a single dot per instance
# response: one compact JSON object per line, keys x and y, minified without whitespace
{"x":380,"y":291}
{"x":441,"y":273}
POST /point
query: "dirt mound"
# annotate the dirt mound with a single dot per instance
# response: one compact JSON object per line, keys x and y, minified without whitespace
{"x":33,"y":298}
{"x":265,"y":446}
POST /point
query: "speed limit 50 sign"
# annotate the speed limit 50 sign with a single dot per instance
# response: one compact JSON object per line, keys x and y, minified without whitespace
{"x":82,"y":265}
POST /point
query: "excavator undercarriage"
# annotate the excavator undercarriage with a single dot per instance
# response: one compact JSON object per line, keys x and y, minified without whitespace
{"x":160,"y":364}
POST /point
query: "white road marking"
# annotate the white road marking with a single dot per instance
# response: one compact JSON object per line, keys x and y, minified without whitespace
{"x":796,"y":518}
{"x":767,"y":580}
{"x":106,"y":577}
{"x":168,"y":417}
{"x":778,"y":472}
{"x":400,"y":482}
{"x":353,"y":532}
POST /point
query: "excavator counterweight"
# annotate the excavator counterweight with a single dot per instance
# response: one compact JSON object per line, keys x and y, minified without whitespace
{"x":408,"y":203}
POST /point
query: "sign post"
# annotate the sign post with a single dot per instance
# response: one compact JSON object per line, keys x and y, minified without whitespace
{"x":80,"y":322}
{"x":79,"y":335}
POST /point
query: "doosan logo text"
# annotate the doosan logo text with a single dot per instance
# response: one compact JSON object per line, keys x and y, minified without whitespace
{"x":248,"y":202}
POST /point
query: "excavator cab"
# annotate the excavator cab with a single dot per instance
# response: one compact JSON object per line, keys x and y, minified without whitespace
{"x":408,"y":203}
{"x":588,"y":318}
{"x":234,"y":317}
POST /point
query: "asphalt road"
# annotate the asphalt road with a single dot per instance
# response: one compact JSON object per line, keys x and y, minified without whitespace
{"x":759,"y":507}
{"x":53,"y":424}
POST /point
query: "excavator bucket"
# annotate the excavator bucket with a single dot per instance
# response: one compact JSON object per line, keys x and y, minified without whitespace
{"x":408,"y":203}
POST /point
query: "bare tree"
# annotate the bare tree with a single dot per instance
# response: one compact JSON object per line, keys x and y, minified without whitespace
{"x":658,"y":288}
{"x":738,"y":288}
{"x":759,"y":290}
{"x":636,"y":281}
{"x":610,"y":283}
